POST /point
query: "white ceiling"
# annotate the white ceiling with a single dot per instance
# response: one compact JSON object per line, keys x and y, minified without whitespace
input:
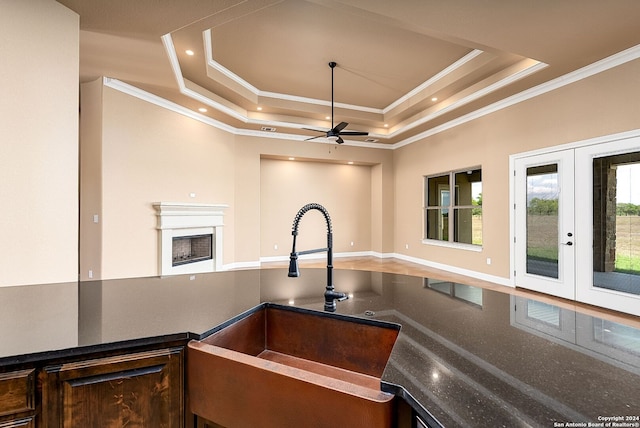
{"x":393,"y":56}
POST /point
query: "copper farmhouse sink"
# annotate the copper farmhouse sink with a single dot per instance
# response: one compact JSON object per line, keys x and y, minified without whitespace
{"x":279,"y":366}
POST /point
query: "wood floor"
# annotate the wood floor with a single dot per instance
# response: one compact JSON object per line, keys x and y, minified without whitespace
{"x":392,"y":265}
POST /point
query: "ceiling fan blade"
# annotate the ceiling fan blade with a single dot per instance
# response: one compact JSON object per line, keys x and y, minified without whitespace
{"x":313,"y":138}
{"x":353,"y":133}
{"x":315,"y":130}
{"x":339,"y":127}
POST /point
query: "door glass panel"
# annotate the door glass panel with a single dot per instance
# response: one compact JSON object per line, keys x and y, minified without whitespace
{"x":543,"y":194}
{"x":616,"y":223}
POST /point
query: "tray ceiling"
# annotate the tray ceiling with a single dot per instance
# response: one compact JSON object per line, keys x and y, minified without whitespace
{"x":404,"y":67}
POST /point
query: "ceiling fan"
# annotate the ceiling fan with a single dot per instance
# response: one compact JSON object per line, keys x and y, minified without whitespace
{"x":336,"y":131}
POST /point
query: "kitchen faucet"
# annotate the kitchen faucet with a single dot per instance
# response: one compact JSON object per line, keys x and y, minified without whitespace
{"x":330,"y":295}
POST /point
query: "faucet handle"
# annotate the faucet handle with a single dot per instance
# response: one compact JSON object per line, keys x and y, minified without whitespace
{"x":345,"y":296}
{"x":294,"y":272}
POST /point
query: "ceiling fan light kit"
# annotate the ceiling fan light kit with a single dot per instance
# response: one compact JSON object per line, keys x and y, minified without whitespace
{"x":334,"y":134}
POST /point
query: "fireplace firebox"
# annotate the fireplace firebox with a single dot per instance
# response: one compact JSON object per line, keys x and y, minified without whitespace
{"x":191,"y":249}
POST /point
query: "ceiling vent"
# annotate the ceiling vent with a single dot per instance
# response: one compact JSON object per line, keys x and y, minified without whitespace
{"x":268,"y":129}
{"x":371,"y":140}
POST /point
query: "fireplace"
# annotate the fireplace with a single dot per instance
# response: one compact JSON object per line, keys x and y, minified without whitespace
{"x":191,"y":239}
{"x":191,"y":249}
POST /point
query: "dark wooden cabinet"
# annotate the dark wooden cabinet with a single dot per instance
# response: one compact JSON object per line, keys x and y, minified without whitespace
{"x":17,"y":398}
{"x":28,"y":422}
{"x":144,"y":389}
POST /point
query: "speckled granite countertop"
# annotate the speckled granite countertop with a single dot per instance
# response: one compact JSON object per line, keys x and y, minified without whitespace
{"x":471,"y":356}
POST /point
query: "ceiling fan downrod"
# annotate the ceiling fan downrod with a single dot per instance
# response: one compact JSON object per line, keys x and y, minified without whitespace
{"x":332,"y":64}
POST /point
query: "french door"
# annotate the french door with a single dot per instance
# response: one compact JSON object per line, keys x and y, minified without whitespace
{"x":608,"y":269}
{"x":577,"y":223}
{"x":544,"y":223}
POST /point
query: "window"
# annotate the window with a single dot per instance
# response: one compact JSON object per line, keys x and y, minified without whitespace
{"x":453,"y":207}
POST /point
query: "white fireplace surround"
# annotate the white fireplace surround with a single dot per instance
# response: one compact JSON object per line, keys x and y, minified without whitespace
{"x":176,"y":219}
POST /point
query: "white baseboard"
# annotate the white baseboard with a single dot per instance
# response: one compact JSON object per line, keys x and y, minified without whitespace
{"x":453,"y":269}
{"x":241,"y":265}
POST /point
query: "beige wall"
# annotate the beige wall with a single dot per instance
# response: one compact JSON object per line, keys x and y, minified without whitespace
{"x":604,"y":104}
{"x":91,"y":180}
{"x":38,"y":142}
{"x":344,"y":190}
{"x":247,"y":201}
{"x":261,"y":206}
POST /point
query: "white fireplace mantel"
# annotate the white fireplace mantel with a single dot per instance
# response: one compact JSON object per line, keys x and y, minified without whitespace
{"x":179,"y":219}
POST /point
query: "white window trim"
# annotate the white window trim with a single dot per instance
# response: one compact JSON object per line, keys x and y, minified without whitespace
{"x":458,"y":245}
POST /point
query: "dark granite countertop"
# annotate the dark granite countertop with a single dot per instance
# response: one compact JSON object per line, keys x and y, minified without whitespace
{"x":471,"y":356}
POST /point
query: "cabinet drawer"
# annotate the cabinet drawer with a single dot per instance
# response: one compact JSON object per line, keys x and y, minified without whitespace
{"x":17,"y":390}
{"x":29,"y":422}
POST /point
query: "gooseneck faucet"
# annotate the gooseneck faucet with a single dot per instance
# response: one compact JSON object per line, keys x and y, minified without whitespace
{"x":330,"y":295}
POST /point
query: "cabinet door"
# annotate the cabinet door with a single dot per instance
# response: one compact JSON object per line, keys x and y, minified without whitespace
{"x":143,"y":390}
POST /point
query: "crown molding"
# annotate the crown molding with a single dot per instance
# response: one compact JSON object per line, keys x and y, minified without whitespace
{"x":255,"y":94}
{"x":456,"y":65}
{"x":605,"y":64}
{"x":164,"y":103}
{"x":133,"y":91}
{"x":469,"y":98}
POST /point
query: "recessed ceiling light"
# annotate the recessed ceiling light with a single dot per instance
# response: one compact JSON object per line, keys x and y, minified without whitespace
{"x":189,"y":52}
{"x":386,"y":125}
{"x":350,"y":162}
{"x":434,"y":99}
{"x":292,"y":158}
{"x":202,"y":110}
{"x":259,"y":108}
{"x":327,"y":117}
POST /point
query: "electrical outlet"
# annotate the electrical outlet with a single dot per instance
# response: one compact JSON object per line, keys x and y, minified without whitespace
{"x":90,"y":274}
{"x":488,"y":260}
{"x":406,"y":246}
{"x":352,"y":243}
{"x":275,"y":246}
